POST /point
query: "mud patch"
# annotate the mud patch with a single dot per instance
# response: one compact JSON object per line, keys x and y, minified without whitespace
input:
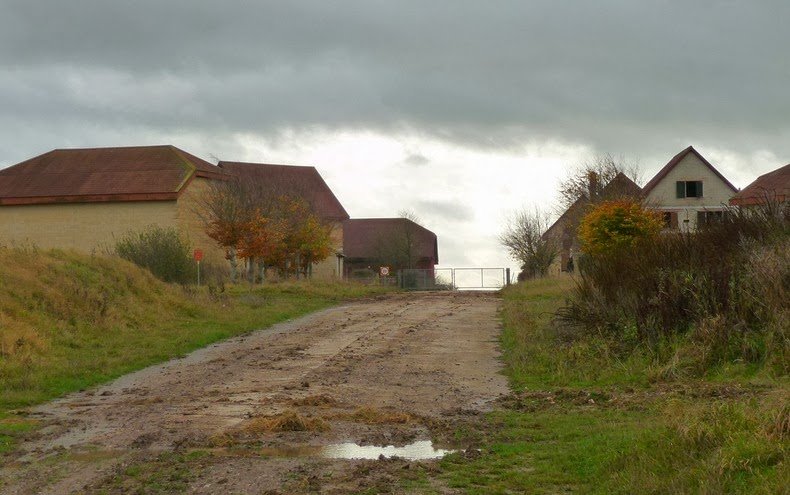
{"x":383,"y":373}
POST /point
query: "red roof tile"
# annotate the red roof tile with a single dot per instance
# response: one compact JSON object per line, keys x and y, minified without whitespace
{"x":102,"y":174}
{"x":771,"y":186}
{"x":305,"y":181}
{"x":362,"y":235}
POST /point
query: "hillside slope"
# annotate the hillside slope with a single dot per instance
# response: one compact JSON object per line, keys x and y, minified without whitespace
{"x":69,"y":321}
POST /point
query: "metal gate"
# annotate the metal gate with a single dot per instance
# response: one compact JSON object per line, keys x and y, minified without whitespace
{"x":454,"y":278}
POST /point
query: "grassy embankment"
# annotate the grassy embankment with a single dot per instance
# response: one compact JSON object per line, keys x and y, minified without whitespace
{"x":582,"y":418}
{"x":69,"y":321}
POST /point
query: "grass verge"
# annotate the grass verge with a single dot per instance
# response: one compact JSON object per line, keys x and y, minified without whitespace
{"x":583,"y":417}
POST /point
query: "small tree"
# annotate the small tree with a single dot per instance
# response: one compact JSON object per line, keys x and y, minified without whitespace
{"x":226,"y":212}
{"x":613,"y":225}
{"x":263,"y":238}
{"x":523,"y":238}
{"x":307,"y":240}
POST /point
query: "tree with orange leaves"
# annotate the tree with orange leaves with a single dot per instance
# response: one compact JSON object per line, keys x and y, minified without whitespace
{"x":265,"y":228}
{"x":225,"y":212}
{"x":307,"y":238}
{"x":263,"y":238}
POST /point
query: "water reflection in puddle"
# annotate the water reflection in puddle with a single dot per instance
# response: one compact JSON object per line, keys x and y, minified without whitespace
{"x":413,"y":452}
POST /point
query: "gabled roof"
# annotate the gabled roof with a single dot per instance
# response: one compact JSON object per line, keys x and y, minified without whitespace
{"x":304,"y":181}
{"x":361,"y":237}
{"x":674,"y":162}
{"x":138,"y":173}
{"x":773,"y":186}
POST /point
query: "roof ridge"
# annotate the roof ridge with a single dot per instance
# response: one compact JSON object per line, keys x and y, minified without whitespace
{"x":264,"y":164}
{"x":91,"y":148}
{"x":674,"y":161}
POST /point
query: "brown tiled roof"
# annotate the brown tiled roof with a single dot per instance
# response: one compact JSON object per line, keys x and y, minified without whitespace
{"x":361,"y":236}
{"x":771,"y":186}
{"x":139,"y":173}
{"x":673,"y":163}
{"x":298,"y":179}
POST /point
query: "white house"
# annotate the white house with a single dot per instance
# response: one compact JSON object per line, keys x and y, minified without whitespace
{"x":689,"y":191}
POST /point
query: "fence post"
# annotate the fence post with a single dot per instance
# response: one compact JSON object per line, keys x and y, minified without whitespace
{"x":507,"y":275}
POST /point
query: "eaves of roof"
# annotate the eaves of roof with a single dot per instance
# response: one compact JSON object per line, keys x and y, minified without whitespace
{"x":652,"y":183}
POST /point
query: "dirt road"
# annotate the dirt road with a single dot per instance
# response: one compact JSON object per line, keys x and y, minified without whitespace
{"x":254,"y":414}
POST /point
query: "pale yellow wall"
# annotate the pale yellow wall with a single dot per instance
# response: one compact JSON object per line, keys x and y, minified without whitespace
{"x":189,"y":219}
{"x":715,"y":192}
{"x":331,"y":267}
{"x":84,"y":226}
{"x":89,"y":227}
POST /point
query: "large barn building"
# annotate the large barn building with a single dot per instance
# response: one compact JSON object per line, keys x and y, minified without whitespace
{"x":85,"y":199}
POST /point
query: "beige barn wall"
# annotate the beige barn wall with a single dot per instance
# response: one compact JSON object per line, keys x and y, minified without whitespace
{"x":90,"y":227}
{"x":715,"y":192}
{"x":95,"y":227}
{"x":84,"y":227}
{"x":330,"y":268}
{"x":190,"y":220}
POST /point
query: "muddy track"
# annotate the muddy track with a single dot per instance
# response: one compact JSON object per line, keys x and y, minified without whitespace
{"x":387,"y":371}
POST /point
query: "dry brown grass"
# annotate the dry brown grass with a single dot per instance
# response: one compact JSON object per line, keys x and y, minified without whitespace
{"x":18,"y":340}
{"x":285,"y":421}
{"x":373,"y":416}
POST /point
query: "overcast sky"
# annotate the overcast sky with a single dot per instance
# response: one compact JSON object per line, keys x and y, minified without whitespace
{"x":461,"y":111}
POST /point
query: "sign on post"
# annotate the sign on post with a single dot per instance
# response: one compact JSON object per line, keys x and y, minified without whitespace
{"x":384,"y":271}
{"x":198,"y":255}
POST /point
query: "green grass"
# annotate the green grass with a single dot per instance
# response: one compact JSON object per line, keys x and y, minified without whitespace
{"x":586,"y":417}
{"x":69,"y":322}
{"x":170,"y":472}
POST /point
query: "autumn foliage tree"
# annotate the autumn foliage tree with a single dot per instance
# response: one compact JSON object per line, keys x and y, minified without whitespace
{"x":262,"y":239}
{"x":226,"y":214}
{"x":306,"y":238}
{"x":613,"y":225}
{"x":265,"y":228}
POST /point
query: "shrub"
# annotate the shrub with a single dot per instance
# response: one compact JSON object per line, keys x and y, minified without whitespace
{"x":162,"y":251}
{"x":614,"y":225}
{"x":722,"y":289}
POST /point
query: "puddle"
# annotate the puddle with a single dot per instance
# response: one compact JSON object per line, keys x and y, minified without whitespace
{"x":416,"y":451}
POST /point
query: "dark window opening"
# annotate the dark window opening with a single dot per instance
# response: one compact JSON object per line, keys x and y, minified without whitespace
{"x":689,"y":188}
{"x":667,"y":219}
{"x":709,"y":217}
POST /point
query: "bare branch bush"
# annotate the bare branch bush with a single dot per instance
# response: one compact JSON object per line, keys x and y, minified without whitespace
{"x":589,"y":179}
{"x":523,"y":238}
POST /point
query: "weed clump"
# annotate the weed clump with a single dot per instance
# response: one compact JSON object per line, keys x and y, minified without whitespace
{"x":285,"y":421}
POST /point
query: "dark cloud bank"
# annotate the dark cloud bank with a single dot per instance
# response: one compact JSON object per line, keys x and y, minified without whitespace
{"x":640,"y":78}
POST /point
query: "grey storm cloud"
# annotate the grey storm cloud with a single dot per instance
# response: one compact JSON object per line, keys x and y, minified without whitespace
{"x":619,"y":76}
{"x":453,"y":211}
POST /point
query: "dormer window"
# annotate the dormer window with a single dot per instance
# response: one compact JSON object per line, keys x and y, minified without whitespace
{"x":689,"y":188}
